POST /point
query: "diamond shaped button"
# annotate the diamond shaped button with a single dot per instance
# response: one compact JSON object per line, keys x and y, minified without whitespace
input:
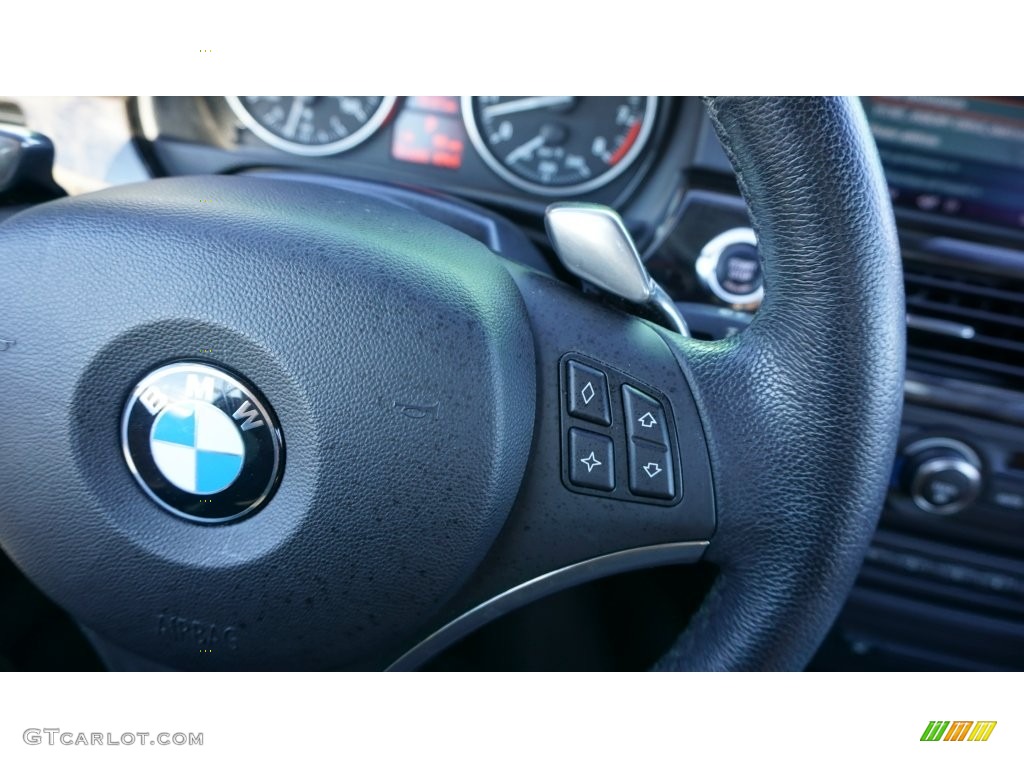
{"x":587,"y":393}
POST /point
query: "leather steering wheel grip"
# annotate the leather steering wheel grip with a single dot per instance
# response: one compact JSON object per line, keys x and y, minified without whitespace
{"x":802,"y":410}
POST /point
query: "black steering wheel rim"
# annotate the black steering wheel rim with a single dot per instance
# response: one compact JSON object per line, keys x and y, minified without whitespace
{"x":379,"y":536}
{"x":822,"y":365}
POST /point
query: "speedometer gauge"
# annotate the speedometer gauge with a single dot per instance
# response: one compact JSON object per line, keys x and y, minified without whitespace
{"x":312,"y":125}
{"x":559,"y":145}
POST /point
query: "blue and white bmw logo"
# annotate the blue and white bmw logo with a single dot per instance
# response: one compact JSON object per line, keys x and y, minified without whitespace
{"x":201,"y":443}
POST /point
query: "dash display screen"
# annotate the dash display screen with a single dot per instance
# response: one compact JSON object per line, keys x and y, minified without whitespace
{"x":429,"y":131}
{"x":953,"y":156}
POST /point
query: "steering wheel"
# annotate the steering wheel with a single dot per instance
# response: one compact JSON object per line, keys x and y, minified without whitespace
{"x":417,"y":436}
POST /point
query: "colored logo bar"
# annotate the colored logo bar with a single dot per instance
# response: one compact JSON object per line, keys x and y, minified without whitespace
{"x":958,"y":730}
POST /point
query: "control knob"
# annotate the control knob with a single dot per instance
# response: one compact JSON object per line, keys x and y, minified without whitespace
{"x":941,"y":475}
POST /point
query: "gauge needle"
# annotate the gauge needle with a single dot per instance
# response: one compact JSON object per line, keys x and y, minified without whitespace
{"x":525,"y":104}
{"x":354,"y":108}
{"x":292,"y":123}
{"x":524,"y":150}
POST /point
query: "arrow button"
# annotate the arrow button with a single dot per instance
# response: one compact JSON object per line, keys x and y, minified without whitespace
{"x":645,"y":418}
{"x":650,"y":470}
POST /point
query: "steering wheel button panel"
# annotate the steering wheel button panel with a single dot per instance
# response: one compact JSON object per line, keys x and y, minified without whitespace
{"x":587,"y":394}
{"x":592,"y":458}
{"x":631,"y":421}
{"x":650,"y":470}
{"x":645,"y":418}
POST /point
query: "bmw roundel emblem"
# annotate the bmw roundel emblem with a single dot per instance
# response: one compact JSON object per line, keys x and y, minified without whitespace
{"x":201,"y":443}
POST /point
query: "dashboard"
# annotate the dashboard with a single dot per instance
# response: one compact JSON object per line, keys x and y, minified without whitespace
{"x":943,"y":584}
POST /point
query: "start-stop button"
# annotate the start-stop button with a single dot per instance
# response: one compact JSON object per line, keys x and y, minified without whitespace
{"x":729,"y":266}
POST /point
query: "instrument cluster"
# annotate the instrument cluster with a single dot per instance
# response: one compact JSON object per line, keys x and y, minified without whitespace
{"x":519,"y":152}
{"x":547,"y":145}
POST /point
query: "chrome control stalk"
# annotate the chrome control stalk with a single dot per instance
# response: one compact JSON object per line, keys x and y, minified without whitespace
{"x":593,"y":243}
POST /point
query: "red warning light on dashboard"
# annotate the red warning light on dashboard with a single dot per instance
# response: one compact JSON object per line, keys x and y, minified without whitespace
{"x":428,"y":139}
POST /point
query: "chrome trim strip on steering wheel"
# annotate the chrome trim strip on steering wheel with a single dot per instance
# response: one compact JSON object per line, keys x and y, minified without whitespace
{"x":677,"y":553}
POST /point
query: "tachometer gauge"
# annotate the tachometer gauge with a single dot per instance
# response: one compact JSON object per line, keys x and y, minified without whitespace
{"x":559,"y":145}
{"x":312,"y":125}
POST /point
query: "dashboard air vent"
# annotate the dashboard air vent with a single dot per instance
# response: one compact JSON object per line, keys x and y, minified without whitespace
{"x":965,"y":325}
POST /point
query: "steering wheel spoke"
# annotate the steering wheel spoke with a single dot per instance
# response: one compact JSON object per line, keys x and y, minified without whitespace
{"x":618,"y":477}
